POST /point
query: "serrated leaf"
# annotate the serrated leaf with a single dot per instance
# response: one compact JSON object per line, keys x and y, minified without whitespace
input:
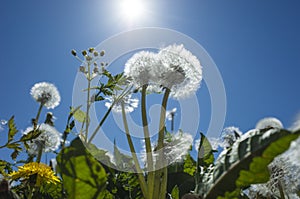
{"x":83,"y":176}
{"x":251,"y":167}
{"x":12,"y":130}
{"x":31,"y":135}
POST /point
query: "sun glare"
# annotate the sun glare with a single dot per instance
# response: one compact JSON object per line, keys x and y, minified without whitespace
{"x":132,"y":9}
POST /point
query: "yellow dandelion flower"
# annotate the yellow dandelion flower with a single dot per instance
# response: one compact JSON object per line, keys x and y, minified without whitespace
{"x":44,"y":173}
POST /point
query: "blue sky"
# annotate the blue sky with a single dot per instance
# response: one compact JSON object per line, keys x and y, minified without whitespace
{"x":255,"y":44}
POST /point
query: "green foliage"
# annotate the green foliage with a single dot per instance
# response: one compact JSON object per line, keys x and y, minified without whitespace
{"x":82,"y":174}
{"x":12,"y":130}
{"x":175,"y":192}
{"x":123,"y":162}
{"x":184,"y":182}
{"x":78,"y":114}
{"x":205,"y":152}
{"x":246,"y":163}
{"x":189,"y":165}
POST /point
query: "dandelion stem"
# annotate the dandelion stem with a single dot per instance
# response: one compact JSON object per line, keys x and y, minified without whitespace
{"x":151,"y":174}
{"x":162,"y":173}
{"x":36,"y":120}
{"x":135,"y":159}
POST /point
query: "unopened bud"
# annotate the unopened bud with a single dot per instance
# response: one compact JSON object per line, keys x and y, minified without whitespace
{"x":82,"y":69}
{"x":96,"y":54}
{"x":84,"y":53}
{"x":88,"y":58}
{"x":96,"y":70}
{"x":91,"y":50}
{"x":102,"y":53}
{"x":74,"y":53}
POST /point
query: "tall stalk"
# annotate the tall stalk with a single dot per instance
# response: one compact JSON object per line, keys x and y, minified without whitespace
{"x":135,"y":159}
{"x":151,"y":173}
{"x":162,"y":174}
{"x":87,"y":122}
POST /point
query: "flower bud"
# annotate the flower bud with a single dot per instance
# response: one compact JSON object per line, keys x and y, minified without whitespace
{"x":102,"y":53}
{"x":84,"y":53}
{"x":96,"y":54}
{"x":74,"y":52}
{"x":82,"y":69}
{"x":96,"y":70}
{"x":91,"y":50}
{"x":88,"y":58}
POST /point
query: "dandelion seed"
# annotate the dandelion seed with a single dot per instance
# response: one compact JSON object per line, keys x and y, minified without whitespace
{"x":173,"y":67}
{"x":269,"y":122}
{"x":46,"y":93}
{"x":180,"y":71}
{"x":49,"y":139}
{"x":43,"y":172}
{"x":140,"y":68}
{"x":129,"y":103}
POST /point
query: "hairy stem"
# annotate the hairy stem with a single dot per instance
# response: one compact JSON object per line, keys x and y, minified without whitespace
{"x":88,"y":103}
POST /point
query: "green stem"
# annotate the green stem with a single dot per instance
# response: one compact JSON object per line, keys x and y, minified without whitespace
{"x":87,"y":122}
{"x":124,"y":92}
{"x":163,"y":172}
{"x":36,"y":120}
{"x":100,"y":124}
{"x":281,"y":190}
{"x":135,"y":159}
{"x":151,"y":173}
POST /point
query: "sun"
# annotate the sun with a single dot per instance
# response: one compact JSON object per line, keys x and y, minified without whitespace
{"x":132,"y":10}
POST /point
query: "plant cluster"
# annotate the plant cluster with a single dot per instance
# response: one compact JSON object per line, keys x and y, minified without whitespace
{"x":262,"y":163}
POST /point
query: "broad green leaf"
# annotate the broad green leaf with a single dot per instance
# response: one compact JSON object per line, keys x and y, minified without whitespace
{"x":246,"y":162}
{"x":12,"y":130}
{"x":83,"y":176}
{"x":175,"y":193}
{"x":205,"y":152}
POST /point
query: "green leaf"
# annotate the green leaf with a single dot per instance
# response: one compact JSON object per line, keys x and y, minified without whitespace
{"x":205,"y":152}
{"x":189,"y":165}
{"x":184,"y":182}
{"x":12,"y":130}
{"x":124,"y":162}
{"x":246,"y":162}
{"x":78,"y":114}
{"x":175,"y":193}
{"x":83,"y":176}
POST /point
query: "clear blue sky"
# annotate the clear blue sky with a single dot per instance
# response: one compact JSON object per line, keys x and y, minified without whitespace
{"x":255,"y":44}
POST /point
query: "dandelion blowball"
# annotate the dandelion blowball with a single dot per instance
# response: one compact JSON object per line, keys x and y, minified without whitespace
{"x":46,"y":94}
{"x":172,"y":67}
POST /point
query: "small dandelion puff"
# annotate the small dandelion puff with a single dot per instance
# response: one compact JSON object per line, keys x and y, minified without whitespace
{"x":170,"y":114}
{"x":49,"y":139}
{"x":269,"y":122}
{"x":229,"y":136}
{"x":180,"y":71}
{"x":130,"y":104}
{"x":46,"y":93}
